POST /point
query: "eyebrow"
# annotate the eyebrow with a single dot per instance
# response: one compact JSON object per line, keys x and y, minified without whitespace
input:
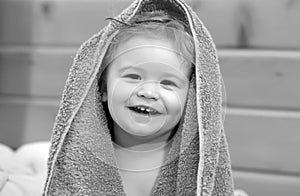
{"x":124,"y":68}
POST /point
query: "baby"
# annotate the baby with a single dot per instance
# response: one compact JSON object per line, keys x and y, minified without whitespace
{"x":145,"y":88}
{"x":141,"y":110}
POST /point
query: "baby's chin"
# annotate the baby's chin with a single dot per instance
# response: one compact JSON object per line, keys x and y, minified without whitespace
{"x":149,"y":140}
{"x":144,"y":133}
{"x":141,"y":130}
{"x":150,"y":134}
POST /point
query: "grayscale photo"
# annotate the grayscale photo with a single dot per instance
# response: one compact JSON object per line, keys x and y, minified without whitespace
{"x":149,"y":97}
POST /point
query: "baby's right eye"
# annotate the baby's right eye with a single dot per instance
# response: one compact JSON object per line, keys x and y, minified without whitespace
{"x":133,"y":76}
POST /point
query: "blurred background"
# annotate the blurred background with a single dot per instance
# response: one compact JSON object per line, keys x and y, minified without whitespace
{"x":259,"y":47}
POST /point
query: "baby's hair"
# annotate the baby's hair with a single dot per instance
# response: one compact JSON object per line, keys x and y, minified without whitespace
{"x":157,"y":26}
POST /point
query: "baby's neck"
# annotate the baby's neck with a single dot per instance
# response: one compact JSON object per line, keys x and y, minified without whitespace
{"x":140,"y":160}
{"x":139,"y":170}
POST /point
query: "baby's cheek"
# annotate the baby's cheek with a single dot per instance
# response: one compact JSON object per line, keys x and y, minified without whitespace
{"x":174,"y":102}
{"x":121,"y":90}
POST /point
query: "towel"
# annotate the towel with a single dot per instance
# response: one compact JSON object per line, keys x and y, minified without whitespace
{"x":81,"y":158}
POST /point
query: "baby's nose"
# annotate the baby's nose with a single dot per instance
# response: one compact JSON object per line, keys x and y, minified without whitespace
{"x":148,"y":90}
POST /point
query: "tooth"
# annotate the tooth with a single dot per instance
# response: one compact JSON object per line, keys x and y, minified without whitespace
{"x":142,"y":108}
{"x":148,"y":110}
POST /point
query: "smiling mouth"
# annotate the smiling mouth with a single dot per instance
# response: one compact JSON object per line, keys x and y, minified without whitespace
{"x":141,"y":109}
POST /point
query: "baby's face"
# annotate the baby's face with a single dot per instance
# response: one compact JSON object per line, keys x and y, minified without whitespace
{"x":147,"y":86}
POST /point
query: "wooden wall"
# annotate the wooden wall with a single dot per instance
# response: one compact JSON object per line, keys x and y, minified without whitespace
{"x":259,"y":48}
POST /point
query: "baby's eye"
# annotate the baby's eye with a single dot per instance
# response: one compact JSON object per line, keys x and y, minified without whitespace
{"x":133,"y":76}
{"x":168,"y":83}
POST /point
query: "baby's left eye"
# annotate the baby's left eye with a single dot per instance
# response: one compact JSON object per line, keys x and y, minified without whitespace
{"x":168,"y":83}
{"x":133,"y":76}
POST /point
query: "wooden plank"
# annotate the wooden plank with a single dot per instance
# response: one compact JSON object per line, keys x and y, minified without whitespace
{"x":56,"y":22}
{"x":255,"y":78}
{"x":222,"y":18}
{"x":232,"y":23}
{"x":273,"y":23}
{"x":252,"y":23}
{"x":16,"y":25}
{"x":260,"y":184}
{"x":26,"y":120}
{"x":252,"y":78}
{"x":34,"y":72}
{"x":72,"y":22}
{"x":264,"y":140}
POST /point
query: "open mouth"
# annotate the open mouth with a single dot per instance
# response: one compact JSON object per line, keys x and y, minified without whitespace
{"x":144,"y":110}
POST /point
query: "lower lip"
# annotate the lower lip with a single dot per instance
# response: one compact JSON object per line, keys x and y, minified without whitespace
{"x":140,"y":117}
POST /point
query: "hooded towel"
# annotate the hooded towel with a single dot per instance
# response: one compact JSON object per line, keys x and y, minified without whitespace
{"x":81,"y":159}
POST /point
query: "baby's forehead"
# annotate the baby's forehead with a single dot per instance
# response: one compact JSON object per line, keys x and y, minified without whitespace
{"x":140,"y":50}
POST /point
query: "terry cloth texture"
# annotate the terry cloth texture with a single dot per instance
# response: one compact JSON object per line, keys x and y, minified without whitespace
{"x":82,"y":160}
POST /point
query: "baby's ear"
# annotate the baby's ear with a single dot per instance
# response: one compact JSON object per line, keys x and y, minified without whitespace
{"x":104,"y":97}
{"x":103,"y":90}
